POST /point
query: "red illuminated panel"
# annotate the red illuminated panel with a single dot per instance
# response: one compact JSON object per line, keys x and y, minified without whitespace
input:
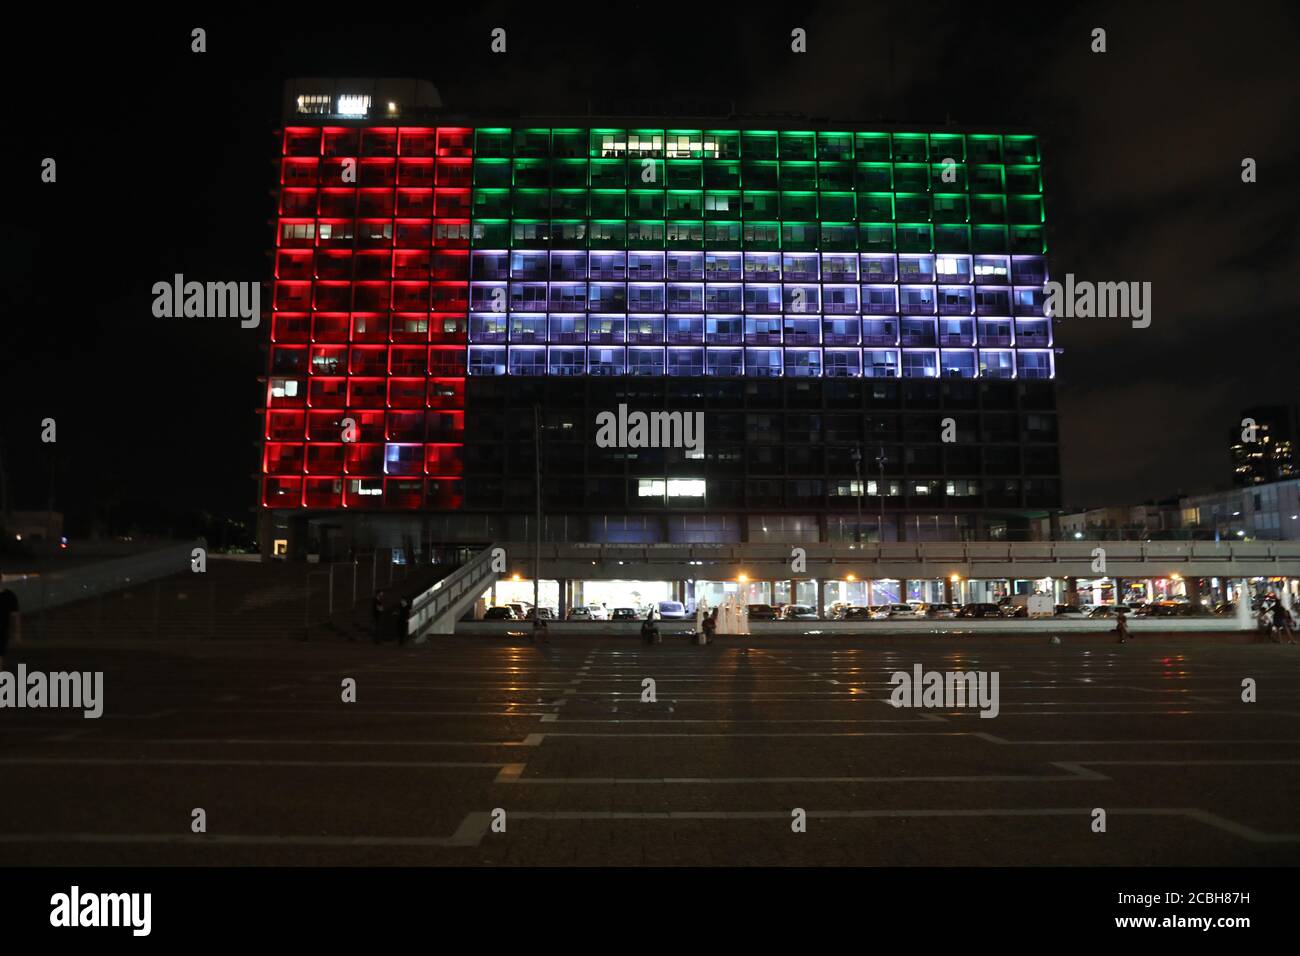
{"x":365,"y":392}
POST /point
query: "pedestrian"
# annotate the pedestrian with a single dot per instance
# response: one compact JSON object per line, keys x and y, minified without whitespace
{"x":10,"y":622}
{"x":1288,"y":626}
{"x":377,"y":614}
{"x":1264,"y":622}
{"x":1121,"y":625}
{"x":540,"y":630}
{"x":1281,"y":623}
{"x":710,"y":625}
{"x":649,"y":632}
{"x":403,"y":619}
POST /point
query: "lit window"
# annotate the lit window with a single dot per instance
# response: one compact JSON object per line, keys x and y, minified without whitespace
{"x":650,"y":488}
{"x":314,"y":103}
{"x":352,"y":104}
{"x":685,"y":487}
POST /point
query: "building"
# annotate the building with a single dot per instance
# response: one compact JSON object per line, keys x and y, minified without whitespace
{"x":1268,"y":512}
{"x":1262,"y":445}
{"x":856,"y":313}
{"x":1153,"y":519}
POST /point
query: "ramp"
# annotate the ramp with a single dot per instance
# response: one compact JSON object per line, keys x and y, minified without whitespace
{"x":437,"y":609}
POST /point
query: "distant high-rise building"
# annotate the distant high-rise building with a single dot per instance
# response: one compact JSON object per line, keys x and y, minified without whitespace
{"x":1263,"y":445}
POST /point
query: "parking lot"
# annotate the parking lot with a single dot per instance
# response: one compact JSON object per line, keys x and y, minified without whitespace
{"x":484,"y":749}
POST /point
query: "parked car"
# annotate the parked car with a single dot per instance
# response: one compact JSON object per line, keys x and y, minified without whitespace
{"x":979,"y":610}
{"x":521,"y":610}
{"x":1225,"y":607}
{"x":761,"y":612}
{"x":835,"y":612}
{"x":896,"y":612}
{"x":500,"y":614}
{"x":1071,"y":609}
{"x":598,"y":612}
{"x":856,"y":614}
{"x":938,"y":611}
{"x":798,"y":612}
{"x":1015,"y":610}
{"x":671,"y":611}
{"x":580,"y":614}
{"x":1166,"y":609}
{"x":545,"y":613}
{"x":626,"y":614}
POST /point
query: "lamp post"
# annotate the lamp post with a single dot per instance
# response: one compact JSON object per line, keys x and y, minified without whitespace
{"x":537,"y":551}
{"x":857,"y":470}
{"x":880,"y":492}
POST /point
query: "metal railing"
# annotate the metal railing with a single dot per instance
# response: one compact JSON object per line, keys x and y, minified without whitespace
{"x":470,"y":578}
{"x":924,"y":552}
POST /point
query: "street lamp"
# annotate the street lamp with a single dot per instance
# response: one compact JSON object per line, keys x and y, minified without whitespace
{"x":880,"y":492}
{"x":857,"y":470}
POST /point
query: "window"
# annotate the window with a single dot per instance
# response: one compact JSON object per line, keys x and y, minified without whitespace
{"x":605,"y":361}
{"x":842,"y":363}
{"x":645,"y":361}
{"x":1035,"y":365}
{"x":920,"y":365}
{"x":958,"y":364}
{"x":685,"y":487}
{"x":803,"y":363}
{"x":645,"y":328}
{"x":488,"y":327}
{"x":487,"y":361}
{"x":685,"y":328}
{"x":351,"y":104}
{"x":606,"y":328}
{"x":568,"y":361}
{"x":840,"y":331}
{"x":686,"y":362}
{"x":725,"y":362}
{"x":763,"y":363}
{"x":841,"y":299}
{"x":528,"y":360}
{"x":996,"y":364}
{"x":314,"y":103}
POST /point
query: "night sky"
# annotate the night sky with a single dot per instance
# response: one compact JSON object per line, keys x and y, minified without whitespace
{"x":164,"y":166}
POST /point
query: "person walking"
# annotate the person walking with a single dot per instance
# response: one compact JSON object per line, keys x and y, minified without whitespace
{"x":403,"y":619}
{"x":1121,"y":625}
{"x":649,"y":632}
{"x":1288,"y":626}
{"x":1264,"y":622}
{"x":10,"y":622}
{"x":710,"y":625}
{"x":1281,"y":623}
{"x":541,"y":633}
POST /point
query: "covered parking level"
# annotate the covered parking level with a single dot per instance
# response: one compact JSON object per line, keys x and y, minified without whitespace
{"x":951,"y":572}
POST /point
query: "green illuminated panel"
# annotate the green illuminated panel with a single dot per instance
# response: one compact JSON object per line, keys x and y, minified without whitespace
{"x":761,"y":190}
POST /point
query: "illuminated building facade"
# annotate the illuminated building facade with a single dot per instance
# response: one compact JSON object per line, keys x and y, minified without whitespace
{"x":1263,"y":445}
{"x":854,"y":311}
